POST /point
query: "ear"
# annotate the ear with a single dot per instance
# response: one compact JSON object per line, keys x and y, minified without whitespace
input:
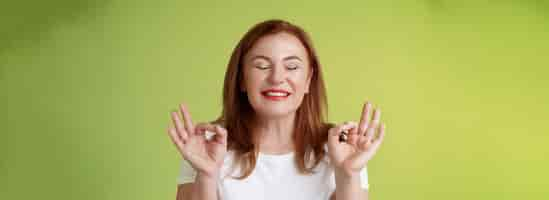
{"x":310,"y":76}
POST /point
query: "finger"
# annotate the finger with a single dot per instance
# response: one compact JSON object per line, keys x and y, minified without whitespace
{"x":371,"y":131}
{"x":179,"y":126}
{"x":347,"y":126}
{"x":221,"y":135}
{"x":187,"y":117}
{"x":369,"y":135}
{"x":364,"y":118}
{"x":381,"y":133}
{"x":361,"y":140}
{"x":336,"y":131}
{"x":353,"y":135}
{"x":379,"y":139}
{"x":363,"y":157}
{"x":377,"y":116}
{"x":202,"y":127}
{"x":178,"y":142}
{"x":207,"y":131}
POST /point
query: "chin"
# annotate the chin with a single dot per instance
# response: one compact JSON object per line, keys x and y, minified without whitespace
{"x":274,"y":109}
{"x":273,"y":112}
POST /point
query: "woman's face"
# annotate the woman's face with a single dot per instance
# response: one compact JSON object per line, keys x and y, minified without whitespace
{"x":276,"y":75}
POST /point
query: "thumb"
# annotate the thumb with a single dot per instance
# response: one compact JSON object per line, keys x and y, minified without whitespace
{"x":221,"y":135}
{"x":333,"y":135}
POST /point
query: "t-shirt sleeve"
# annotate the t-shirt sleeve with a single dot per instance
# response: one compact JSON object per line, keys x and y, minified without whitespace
{"x":364,"y":178}
{"x":186,"y":173}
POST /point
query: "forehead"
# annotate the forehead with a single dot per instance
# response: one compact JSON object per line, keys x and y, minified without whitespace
{"x":277,"y":46}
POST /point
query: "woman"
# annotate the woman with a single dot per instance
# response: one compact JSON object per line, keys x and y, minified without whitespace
{"x":271,"y":140}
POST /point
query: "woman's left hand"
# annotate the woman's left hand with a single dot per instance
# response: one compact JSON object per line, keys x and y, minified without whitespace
{"x":363,"y":141}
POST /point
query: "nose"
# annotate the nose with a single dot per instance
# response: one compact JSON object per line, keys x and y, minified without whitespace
{"x":277,"y":75}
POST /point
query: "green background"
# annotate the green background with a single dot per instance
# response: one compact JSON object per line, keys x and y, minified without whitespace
{"x":87,"y":87}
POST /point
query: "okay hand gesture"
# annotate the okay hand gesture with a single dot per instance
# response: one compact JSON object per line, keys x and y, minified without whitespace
{"x":361,"y":143}
{"x":205,"y":156}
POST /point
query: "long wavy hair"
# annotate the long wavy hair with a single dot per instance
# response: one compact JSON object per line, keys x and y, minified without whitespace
{"x":311,"y":129}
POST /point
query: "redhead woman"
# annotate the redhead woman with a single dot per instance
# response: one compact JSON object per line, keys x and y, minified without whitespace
{"x":272,"y":140}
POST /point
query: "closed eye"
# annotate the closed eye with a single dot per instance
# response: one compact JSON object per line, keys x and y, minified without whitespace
{"x":262,"y":67}
{"x":292,"y":67}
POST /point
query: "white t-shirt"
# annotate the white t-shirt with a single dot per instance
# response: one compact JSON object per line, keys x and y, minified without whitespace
{"x":274,"y":177}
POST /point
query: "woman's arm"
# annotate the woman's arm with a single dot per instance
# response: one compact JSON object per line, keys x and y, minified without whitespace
{"x":349,"y":156}
{"x":202,"y":189}
{"x":184,"y":191}
{"x":364,"y":195}
{"x":348,"y":188}
{"x":206,"y":156}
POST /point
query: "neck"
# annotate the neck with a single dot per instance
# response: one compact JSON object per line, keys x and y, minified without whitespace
{"x":275,"y":134}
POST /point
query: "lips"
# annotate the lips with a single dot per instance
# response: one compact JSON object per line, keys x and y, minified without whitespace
{"x":275,"y":94}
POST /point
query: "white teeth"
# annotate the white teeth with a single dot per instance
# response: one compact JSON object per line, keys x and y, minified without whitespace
{"x":277,"y":94}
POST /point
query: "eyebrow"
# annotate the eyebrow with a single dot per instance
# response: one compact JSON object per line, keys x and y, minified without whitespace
{"x":269,"y":59}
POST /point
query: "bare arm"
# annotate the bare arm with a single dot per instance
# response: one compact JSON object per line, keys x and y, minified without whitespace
{"x":184,"y":191}
{"x":202,"y":189}
{"x":351,"y":155}
{"x":364,"y":195}
{"x":206,"y":156}
{"x":348,"y":187}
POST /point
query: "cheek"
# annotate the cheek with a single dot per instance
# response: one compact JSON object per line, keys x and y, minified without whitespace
{"x":253,"y":81}
{"x":299,"y":82}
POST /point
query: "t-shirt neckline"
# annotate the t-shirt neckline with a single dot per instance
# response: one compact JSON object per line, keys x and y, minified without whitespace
{"x":276,"y":156}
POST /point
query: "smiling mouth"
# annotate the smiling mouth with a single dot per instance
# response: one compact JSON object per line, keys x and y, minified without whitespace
{"x":275,"y":95}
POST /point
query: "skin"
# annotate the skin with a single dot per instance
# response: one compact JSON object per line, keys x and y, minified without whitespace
{"x":276,"y":61}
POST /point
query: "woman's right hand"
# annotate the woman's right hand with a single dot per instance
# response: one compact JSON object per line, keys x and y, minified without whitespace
{"x":205,"y":156}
